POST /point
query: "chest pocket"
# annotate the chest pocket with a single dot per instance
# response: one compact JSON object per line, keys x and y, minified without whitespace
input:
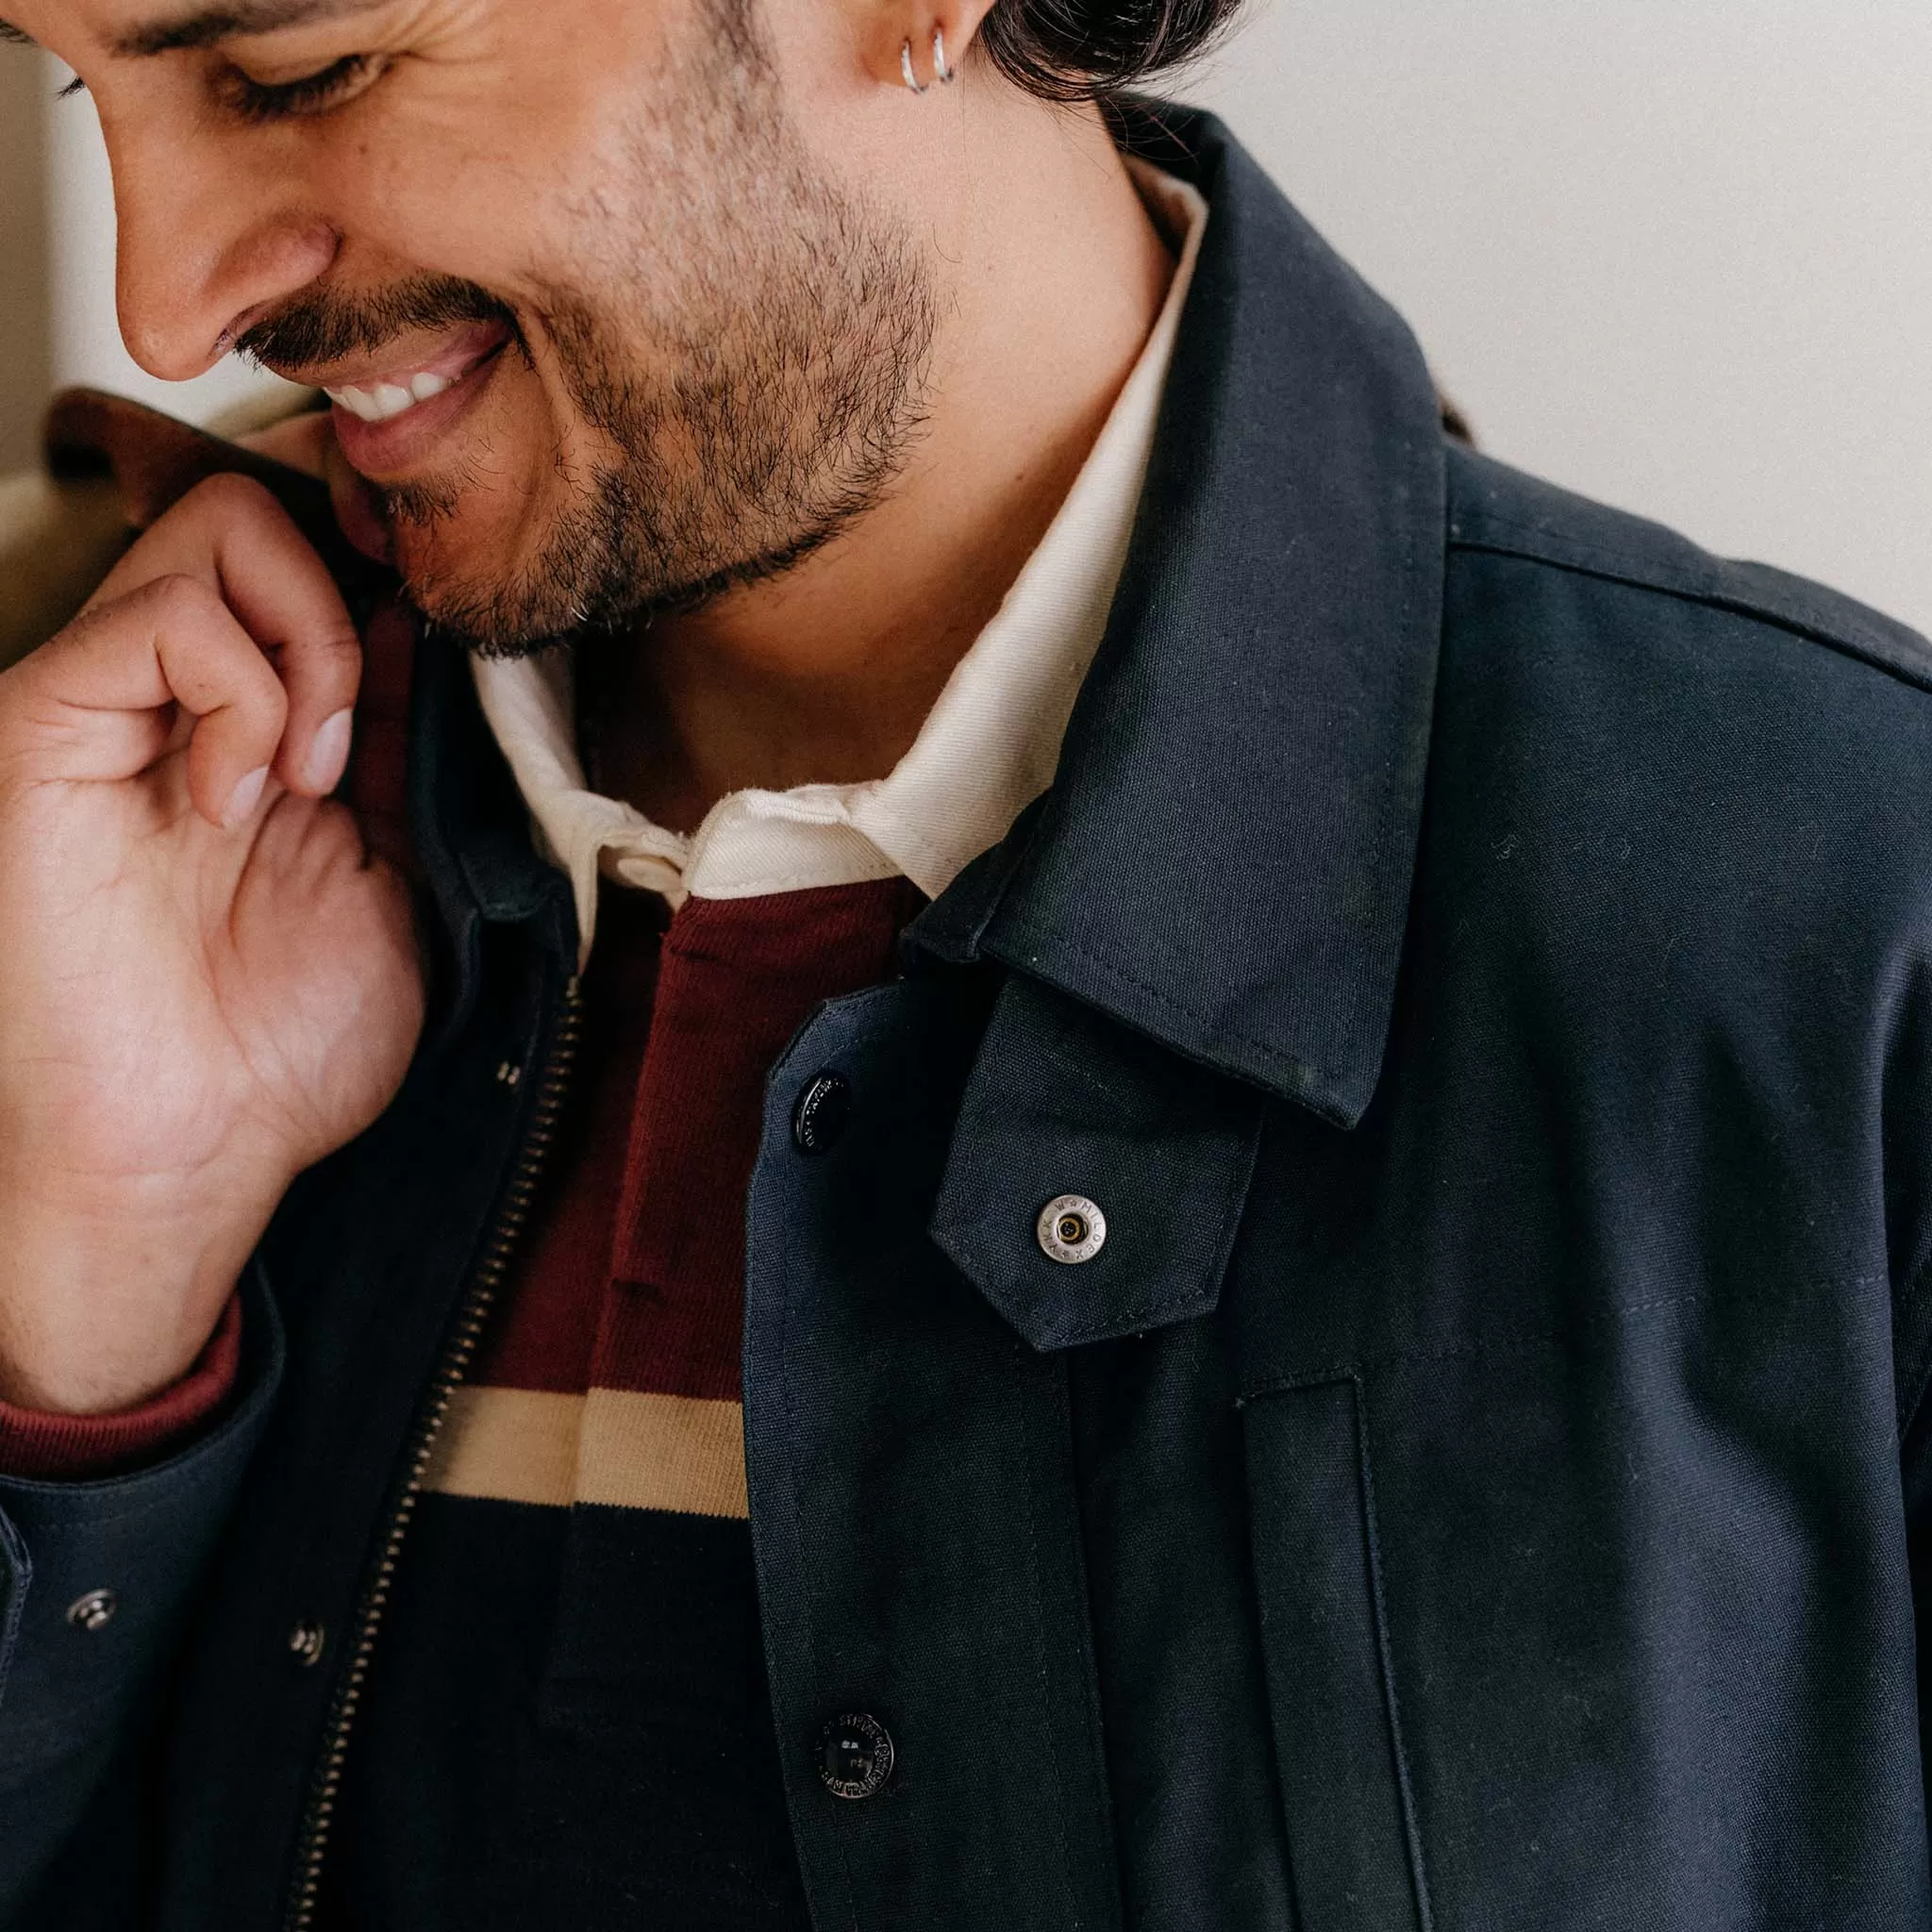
{"x":1344,"y":1782}
{"x":1604,"y":1621}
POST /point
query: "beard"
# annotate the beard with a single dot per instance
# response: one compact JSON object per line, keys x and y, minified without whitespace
{"x":748,"y":340}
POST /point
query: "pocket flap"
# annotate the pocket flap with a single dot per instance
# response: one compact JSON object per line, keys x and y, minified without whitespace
{"x":1063,"y":1101}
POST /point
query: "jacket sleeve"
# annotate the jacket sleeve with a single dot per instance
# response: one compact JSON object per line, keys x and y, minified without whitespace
{"x":97,"y":1580}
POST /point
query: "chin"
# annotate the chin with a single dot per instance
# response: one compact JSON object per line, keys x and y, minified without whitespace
{"x":458,"y":562}
{"x":483,"y":591}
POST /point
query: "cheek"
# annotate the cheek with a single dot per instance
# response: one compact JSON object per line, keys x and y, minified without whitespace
{"x":458,"y":171}
{"x":414,"y":190}
{"x":520,"y":460}
{"x":414,"y":222}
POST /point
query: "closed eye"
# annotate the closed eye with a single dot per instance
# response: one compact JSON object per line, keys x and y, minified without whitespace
{"x":313,"y":93}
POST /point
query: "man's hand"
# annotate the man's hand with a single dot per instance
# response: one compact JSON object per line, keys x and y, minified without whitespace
{"x":206,"y":982}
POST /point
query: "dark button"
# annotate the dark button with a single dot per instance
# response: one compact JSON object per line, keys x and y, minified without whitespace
{"x":822,"y":1112}
{"x":95,"y":1610}
{"x":855,"y":1755}
{"x":306,"y":1641}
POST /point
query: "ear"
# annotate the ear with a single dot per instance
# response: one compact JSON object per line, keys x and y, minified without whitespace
{"x":918,"y":44}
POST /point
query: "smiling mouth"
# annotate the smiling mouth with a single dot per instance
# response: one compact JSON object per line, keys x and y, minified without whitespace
{"x":385,"y":400}
{"x":379,"y":395}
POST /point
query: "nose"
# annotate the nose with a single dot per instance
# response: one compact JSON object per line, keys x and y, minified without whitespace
{"x":206,"y":245}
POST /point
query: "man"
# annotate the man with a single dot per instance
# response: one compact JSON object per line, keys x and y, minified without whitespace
{"x":1139,"y":1154}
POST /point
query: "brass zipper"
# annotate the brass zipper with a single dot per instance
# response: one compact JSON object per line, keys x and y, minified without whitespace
{"x":531,"y":1161}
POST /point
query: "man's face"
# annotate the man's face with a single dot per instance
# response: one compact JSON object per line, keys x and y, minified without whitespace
{"x":604,"y":332}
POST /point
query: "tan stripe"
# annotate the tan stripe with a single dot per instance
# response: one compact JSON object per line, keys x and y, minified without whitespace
{"x":514,"y":1445}
{"x":632,"y":1452}
{"x":662,"y":1451}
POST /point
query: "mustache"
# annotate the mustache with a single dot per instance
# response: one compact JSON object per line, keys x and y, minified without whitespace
{"x":327,"y":328}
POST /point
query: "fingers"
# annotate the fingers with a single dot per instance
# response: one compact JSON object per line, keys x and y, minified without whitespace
{"x":230,"y":536}
{"x":94,"y":703}
{"x":376,"y":782}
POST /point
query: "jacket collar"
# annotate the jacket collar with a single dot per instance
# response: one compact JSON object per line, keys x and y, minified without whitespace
{"x":1226,"y":856}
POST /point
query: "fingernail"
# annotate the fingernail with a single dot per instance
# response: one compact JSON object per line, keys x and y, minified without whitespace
{"x":329,"y":757}
{"x":245,"y":796}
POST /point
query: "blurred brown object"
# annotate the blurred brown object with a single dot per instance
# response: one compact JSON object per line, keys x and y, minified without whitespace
{"x":155,"y":460}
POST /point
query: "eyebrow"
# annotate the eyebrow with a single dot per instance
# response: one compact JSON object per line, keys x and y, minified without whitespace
{"x":233,"y":20}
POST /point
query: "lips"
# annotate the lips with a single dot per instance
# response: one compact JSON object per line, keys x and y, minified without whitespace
{"x":392,"y":413}
{"x":374,"y":391}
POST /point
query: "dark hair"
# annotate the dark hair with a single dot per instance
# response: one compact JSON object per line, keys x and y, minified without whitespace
{"x":1082,"y":50}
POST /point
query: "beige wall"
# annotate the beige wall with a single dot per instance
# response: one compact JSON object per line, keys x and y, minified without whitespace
{"x":24,"y":363}
{"x":1675,"y":254}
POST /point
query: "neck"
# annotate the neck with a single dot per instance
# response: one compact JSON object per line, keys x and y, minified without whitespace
{"x":1052,"y":278}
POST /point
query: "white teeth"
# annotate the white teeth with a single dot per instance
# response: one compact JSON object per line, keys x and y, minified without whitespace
{"x":387,"y":399}
{"x":355,"y":402}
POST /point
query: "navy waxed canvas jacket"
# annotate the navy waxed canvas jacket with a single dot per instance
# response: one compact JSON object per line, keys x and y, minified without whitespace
{"x":1477,"y":952}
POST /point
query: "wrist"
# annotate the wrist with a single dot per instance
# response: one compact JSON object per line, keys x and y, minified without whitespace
{"x":36,"y":1445}
{"x":99,"y":1320}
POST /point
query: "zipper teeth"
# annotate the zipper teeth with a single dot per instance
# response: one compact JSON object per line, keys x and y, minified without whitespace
{"x":455,"y":1366}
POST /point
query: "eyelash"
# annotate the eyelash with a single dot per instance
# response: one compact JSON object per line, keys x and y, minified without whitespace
{"x":315,"y":93}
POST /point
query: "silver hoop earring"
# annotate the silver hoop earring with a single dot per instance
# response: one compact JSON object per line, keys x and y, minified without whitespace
{"x":940,"y":72}
{"x":912,"y":79}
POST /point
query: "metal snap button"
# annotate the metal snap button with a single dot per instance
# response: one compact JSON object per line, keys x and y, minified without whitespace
{"x":855,"y":1755}
{"x":1071,"y":1229}
{"x":823,"y":1109}
{"x":306,"y":1641}
{"x":95,"y":1610}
